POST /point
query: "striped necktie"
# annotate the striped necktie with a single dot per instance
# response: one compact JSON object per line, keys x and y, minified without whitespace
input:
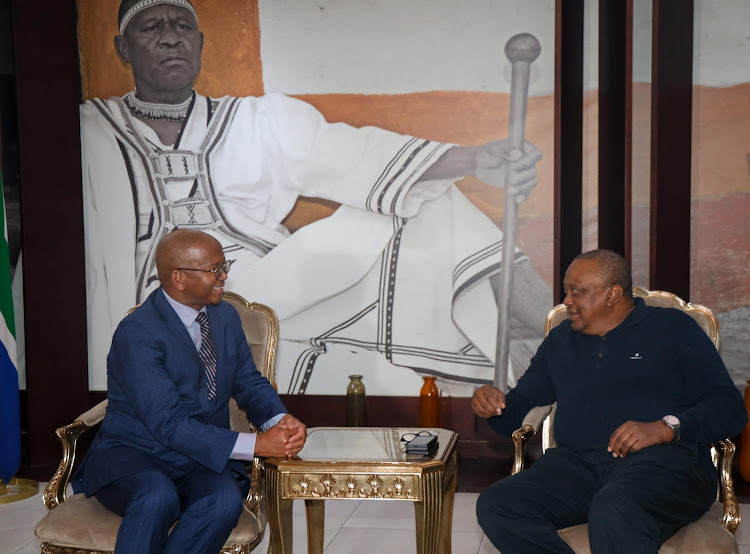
{"x":207,"y":353}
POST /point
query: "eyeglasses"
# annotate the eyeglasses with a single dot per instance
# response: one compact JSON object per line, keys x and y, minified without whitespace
{"x":223,"y":267}
{"x":408,"y":437}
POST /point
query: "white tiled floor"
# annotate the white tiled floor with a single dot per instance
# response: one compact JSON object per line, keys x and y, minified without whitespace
{"x":366,"y":527}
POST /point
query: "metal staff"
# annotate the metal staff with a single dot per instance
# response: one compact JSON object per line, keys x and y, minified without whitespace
{"x":521,"y":50}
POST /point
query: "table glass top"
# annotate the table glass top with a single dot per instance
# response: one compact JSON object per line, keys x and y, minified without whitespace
{"x":372,"y":444}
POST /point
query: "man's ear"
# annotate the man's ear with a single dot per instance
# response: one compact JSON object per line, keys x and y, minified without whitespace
{"x":121,"y":47}
{"x":177,"y":278}
{"x":614,"y":295}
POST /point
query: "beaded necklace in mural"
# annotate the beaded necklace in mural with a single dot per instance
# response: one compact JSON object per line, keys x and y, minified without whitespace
{"x":157,"y":112}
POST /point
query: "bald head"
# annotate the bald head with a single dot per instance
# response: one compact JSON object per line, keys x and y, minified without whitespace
{"x":186,"y":262}
{"x":184,"y":248}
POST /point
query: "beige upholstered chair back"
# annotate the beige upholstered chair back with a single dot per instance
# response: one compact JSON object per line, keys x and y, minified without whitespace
{"x":261,"y":328}
{"x":701,"y":314}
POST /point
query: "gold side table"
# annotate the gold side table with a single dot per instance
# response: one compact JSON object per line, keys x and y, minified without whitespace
{"x":363,"y":463}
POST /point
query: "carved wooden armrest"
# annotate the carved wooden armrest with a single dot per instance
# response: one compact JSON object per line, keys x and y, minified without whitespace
{"x":724,"y":451}
{"x":55,"y":491}
{"x":255,"y":494}
{"x":520,"y":439}
{"x":531,"y":424}
{"x":254,"y":498}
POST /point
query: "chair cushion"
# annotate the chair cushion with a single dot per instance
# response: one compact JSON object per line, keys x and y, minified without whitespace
{"x":83,"y":523}
{"x":705,"y":536}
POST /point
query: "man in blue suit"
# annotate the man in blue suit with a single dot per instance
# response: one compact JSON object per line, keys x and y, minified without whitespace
{"x":165,"y":452}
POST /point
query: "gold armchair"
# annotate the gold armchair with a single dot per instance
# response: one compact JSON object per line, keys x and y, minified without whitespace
{"x":78,"y":525}
{"x":714,"y":532}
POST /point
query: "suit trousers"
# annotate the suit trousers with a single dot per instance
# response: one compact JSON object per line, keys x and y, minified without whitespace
{"x":206,"y":506}
{"x":632,"y":504}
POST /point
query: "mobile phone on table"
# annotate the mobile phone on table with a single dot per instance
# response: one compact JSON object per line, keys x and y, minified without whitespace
{"x":420,"y":445}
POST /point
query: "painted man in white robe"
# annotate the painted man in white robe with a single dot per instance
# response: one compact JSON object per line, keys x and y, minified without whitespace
{"x":396,"y":280}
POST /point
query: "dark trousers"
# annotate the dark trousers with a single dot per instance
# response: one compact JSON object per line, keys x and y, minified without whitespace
{"x":206,"y":506}
{"x":632,"y":504}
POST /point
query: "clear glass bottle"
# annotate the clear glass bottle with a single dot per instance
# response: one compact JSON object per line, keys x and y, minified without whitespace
{"x":356,"y":405}
{"x":429,"y":404}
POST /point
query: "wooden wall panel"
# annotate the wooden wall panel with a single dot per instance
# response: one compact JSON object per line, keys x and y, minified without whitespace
{"x":52,"y":219}
{"x":671,"y":140}
{"x":615,"y":116}
{"x":568,"y":210}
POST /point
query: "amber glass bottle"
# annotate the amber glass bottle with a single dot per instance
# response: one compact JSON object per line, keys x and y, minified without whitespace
{"x":356,"y":406}
{"x":429,"y":404}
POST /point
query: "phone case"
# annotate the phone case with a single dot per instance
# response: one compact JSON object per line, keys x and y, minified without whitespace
{"x":421,"y":444}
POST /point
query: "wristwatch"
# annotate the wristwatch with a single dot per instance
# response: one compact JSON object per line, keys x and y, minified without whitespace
{"x":673,"y":423}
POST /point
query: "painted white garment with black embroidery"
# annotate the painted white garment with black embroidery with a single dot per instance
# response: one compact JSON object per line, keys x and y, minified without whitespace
{"x":396,"y":278}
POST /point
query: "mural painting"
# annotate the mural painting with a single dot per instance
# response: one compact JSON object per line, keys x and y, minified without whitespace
{"x":379,"y":257}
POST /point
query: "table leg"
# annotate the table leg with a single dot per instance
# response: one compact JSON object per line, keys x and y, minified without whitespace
{"x":434,"y":513}
{"x":315,"y":511}
{"x":279,"y":515}
{"x":428,"y":513}
{"x":449,"y":493}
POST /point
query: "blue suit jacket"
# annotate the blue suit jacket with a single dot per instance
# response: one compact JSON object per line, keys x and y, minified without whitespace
{"x":159,"y":415}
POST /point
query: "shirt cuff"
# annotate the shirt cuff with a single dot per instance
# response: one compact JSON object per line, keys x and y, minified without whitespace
{"x":244,"y":447}
{"x":271,"y":422}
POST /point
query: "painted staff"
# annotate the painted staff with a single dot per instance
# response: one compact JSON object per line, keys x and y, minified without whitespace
{"x":521,"y":50}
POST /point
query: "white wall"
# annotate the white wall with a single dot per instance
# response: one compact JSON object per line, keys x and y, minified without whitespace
{"x":399,"y":46}
{"x":721,"y":43}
